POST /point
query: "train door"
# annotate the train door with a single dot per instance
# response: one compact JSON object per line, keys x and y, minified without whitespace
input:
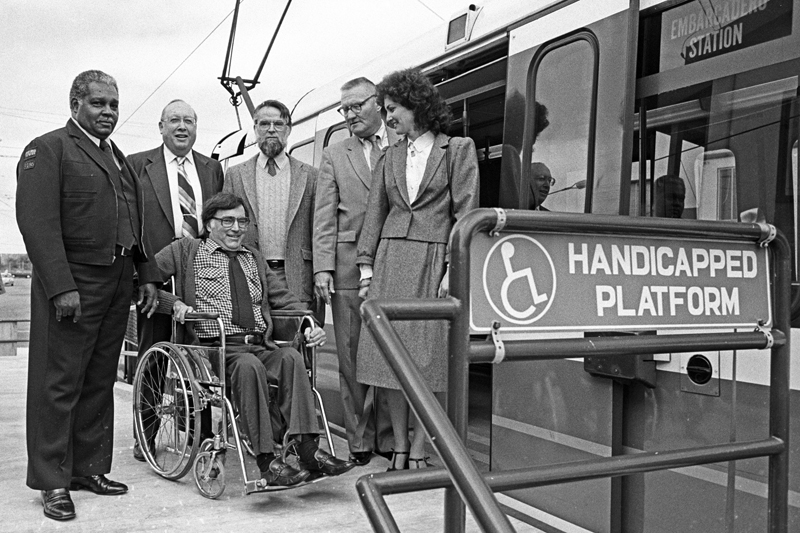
{"x":569,"y":106}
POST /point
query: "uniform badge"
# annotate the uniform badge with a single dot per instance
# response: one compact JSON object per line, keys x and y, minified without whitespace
{"x":30,"y":153}
{"x":27,"y":165}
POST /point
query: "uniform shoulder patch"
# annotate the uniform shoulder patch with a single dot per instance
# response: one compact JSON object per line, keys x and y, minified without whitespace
{"x":30,"y":153}
{"x":29,"y":164}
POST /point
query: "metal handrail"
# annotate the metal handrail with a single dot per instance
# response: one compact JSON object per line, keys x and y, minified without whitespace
{"x":465,"y":483}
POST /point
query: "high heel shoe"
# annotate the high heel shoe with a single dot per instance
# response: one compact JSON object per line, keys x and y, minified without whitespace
{"x":416,"y":464}
{"x":403,"y":464}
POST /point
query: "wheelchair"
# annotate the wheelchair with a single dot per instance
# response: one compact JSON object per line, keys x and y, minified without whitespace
{"x":173,"y":389}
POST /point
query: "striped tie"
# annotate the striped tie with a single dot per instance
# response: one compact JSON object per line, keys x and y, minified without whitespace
{"x":187,"y":202}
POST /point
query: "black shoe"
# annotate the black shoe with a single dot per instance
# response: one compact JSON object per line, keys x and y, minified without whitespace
{"x":282,"y":475}
{"x":327,"y":464}
{"x":360,"y":458}
{"x":385,"y":455}
{"x":58,"y":504}
{"x":138,"y":454}
{"x":99,"y":484}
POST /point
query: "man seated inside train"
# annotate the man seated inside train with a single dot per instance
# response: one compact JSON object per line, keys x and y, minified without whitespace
{"x":217,"y":274}
{"x":670,"y":196}
{"x":541,"y":182}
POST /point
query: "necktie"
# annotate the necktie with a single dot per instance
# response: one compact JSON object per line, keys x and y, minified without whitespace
{"x":375,"y":150}
{"x":272,"y":169}
{"x":187,"y":202}
{"x":241,"y":302}
{"x":106,"y":148}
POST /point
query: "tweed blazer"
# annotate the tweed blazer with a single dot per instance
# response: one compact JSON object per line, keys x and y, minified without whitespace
{"x":67,"y":208}
{"x":241,"y":181}
{"x":342,"y":191}
{"x":177,"y":260}
{"x":438,"y":204}
{"x":152,"y":171}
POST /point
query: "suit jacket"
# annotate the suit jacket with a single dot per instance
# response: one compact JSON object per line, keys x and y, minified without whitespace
{"x":439,"y":203}
{"x":341,"y":201}
{"x":67,"y":208}
{"x":177,"y":260}
{"x":241,"y":181}
{"x":152,"y":171}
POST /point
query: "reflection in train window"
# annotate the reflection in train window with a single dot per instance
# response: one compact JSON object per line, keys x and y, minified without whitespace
{"x":559,"y":140}
{"x":720,"y":150}
{"x":337,"y":133}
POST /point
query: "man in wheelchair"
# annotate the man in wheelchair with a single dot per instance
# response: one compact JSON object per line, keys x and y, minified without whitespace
{"x":217,"y":274}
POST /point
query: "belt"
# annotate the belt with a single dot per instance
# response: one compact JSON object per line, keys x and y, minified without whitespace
{"x":245,"y":338}
{"x":276,"y":263}
{"x":121,"y":251}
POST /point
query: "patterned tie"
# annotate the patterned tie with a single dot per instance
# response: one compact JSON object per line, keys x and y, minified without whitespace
{"x":187,"y":202}
{"x":241,"y":301}
{"x":272,"y":169}
{"x":375,"y":150}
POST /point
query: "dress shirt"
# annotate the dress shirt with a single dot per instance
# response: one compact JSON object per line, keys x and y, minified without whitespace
{"x":383,"y":142}
{"x":96,"y":141}
{"x":416,"y":159}
{"x":193,"y":179}
{"x":213,"y":289}
{"x":272,"y":193}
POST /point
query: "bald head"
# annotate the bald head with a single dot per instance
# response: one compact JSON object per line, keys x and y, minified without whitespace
{"x":178,"y":127}
{"x":541,"y":181}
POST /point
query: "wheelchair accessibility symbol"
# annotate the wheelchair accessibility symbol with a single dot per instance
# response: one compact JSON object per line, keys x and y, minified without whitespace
{"x":519,"y":279}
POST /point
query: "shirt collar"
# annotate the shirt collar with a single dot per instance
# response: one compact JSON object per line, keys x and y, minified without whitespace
{"x":212,"y":246}
{"x":169,"y":157}
{"x":381,"y":133}
{"x":423,"y":142}
{"x":281,"y":160}
{"x":92,"y":138}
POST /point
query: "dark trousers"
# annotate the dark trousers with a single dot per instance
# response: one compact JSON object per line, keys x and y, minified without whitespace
{"x":71,"y":372}
{"x":316,"y":305}
{"x":250,"y":370}
{"x":366,"y":415}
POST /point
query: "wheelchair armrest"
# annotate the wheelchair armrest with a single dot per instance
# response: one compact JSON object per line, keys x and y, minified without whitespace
{"x":202,"y":316}
{"x":296,"y":313}
{"x":288,"y":324}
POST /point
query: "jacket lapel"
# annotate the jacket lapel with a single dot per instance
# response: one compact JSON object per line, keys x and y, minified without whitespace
{"x":156,"y":170}
{"x":355,"y":153}
{"x":249,"y":185}
{"x":297,"y":186}
{"x":399,"y":168}
{"x":86,"y":144}
{"x":434,"y":160}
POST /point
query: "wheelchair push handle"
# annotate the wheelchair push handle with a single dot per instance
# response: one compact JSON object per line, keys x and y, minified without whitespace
{"x":202,"y":316}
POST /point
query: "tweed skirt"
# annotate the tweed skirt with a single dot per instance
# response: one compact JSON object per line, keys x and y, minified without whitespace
{"x":407,"y":269}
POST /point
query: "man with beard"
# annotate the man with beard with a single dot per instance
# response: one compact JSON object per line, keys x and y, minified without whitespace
{"x":278,"y":191}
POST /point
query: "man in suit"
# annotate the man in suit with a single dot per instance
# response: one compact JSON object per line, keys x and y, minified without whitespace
{"x":279,"y":192}
{"x":80,"y":212}
{"x":342,"y":191}
{"x":176,"y":180}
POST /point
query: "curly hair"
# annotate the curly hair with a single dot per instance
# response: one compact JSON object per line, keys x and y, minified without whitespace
{"x":412,"y":90}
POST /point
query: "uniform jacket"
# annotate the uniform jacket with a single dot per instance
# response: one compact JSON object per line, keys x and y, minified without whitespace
{"x":438,"y":204}
{"x":152,"y":171}
{"x":341,"y":201}
{"x":177,"y":260}
{"x":67,"y":208}
{"x":241,"y":181}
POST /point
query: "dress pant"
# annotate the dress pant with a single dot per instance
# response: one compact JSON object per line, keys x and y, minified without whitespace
{"x":72,"y":368}
{"x":316,"y":305}
{"x":250,"y":369}
{"x":365,"y":410}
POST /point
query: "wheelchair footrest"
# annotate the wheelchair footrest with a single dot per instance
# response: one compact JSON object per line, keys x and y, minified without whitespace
{"x":260,"y":485}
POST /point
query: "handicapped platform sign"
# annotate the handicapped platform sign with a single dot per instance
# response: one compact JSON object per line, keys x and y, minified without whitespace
{"x":581,"y":282}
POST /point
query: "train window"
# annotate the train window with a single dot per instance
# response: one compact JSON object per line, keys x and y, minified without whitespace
{"x":720,"y":151}
{"x":558,"y":162}
{"x":304,"y":152}
{"x":336,"y":134}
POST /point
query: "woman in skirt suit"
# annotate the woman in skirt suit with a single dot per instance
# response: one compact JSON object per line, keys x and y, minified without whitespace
{"x":421,"y":185}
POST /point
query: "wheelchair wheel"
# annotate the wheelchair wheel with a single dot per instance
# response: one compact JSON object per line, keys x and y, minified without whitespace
{"x":166,"y":410}
{"x":209,"y":473}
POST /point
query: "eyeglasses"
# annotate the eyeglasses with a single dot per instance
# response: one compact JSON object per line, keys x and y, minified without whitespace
{"x":550,"y":180}
{"x":355,"y":108}
{"x":227,"y":222}
{"x":277,"y":125}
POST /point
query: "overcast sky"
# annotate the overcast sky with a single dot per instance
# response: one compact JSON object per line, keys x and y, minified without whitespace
{"x":45,"y":43}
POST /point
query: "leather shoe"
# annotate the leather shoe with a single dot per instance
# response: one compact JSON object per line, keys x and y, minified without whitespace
{"x":280,"y":474}
{"x":98,"y":484}
{"x":327,"y":464}
{"x":137,"y":452}
{"x":360,"y":458}
{"x":58,"y":504}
